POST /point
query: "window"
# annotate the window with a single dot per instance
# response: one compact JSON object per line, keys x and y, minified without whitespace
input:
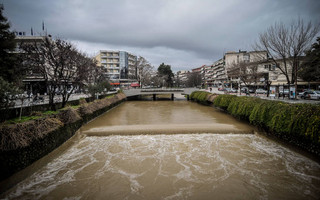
{"x":246,"y":58}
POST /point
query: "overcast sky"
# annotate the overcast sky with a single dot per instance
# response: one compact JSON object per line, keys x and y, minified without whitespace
{"x":182,"y":33}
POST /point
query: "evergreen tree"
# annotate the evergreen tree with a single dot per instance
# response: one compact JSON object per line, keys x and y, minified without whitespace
{"x":165,"y":72}
{"x":8,"y":61}
{"x":310,"y":69}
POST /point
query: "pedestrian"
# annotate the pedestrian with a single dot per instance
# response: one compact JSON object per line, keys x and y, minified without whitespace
{"x":247,"y":92}
{"x":35,"y":97}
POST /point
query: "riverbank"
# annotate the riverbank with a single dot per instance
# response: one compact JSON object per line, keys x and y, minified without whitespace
{"x":296,"y":124}
{"x":23,"y":143}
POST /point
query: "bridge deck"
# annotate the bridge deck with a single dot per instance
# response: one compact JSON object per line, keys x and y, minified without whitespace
{"x":136,"y":92}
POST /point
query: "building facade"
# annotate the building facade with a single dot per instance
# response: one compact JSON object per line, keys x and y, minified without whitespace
{"x":182,"y":77}
{"x":218,"y":71}
{"x":33,"y":80}
{"x":121,"y":66}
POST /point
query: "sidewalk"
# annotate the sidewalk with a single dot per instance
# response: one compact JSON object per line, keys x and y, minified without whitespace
{"x":264,"y":96}
{"x":58,"y":98}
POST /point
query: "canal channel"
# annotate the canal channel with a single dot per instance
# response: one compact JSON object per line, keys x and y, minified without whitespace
{"x":170,"y":150}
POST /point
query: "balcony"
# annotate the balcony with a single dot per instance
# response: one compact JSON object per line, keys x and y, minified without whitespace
{"x":132,"y":58}
{"x":113,"y":67}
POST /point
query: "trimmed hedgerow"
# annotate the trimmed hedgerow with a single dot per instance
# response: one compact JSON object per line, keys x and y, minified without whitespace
{"x":199,"y":96}
{"x":241,"y":107}
{"x":223,"y":101}
{"x":298,"y":124}
{"x":203,"y":97}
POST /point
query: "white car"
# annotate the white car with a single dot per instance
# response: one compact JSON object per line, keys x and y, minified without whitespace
{"x":314,"y":95}
{"x":261,"y":91}
{"x":230,"y":90}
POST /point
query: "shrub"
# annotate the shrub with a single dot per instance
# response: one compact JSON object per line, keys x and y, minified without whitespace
{"x":242,"y":107}
{"x":82,"y":101}
{"x":68,"y":115}
{"x":294,"y":122}
{"x":223,"y":101}
{"x":22,"y":134}
{"x":199,"y":96}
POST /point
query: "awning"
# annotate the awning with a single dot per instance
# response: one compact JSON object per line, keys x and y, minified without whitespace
{"x":114,"y":83}
{"x":135,"y":85}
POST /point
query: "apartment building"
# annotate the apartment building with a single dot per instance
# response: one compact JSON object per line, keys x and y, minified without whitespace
{"x":182,"y":76}
{"x":236,"y":59}
{"x":274,"y":74}
{"x":216,"y":74}
{"x":219,"y":75}
{"x":121,"y":66}
{"x":33,"y":80}
{"x":232,"y":58}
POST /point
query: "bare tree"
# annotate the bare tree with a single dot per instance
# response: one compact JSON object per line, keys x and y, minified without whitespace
{"x":144,"y":71}
{"x":286,"y":44}
{"x":97,"y":81}
{"x":60,"y":64}
{"x":246,"y":72}
{"x":194,"y":79}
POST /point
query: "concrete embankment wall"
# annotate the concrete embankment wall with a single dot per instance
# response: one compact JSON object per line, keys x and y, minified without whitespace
{"x":295,"y":124}
{"x":24,"y":143}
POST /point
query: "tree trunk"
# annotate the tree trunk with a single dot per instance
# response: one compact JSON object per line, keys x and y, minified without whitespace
{"x":51,"y":102}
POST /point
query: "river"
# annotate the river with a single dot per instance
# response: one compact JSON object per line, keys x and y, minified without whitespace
{"x":171,"y":150}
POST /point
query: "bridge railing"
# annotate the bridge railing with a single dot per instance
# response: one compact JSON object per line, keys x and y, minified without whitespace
{"x":162,"y":90}
{"x":183,"y":91}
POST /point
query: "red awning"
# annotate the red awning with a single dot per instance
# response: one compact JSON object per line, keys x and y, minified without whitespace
{"x":114,"y":83}
{"x":135,"y":85}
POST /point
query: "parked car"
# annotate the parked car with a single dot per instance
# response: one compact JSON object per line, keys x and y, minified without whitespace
{"x":261,"y":91}
{"x":230,"y":90}
{"x":244,"y":89}
{"x":305,"y":94}
{"x":22,"y":95}
{"x":311,"y":95}
{"x":315,"y":95}
{"x":300,"y":94}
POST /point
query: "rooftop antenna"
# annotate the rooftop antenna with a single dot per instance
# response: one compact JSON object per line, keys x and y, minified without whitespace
{"x":43,"y":29}
{"x":31,"y":31}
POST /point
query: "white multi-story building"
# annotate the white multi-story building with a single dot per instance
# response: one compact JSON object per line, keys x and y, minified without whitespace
{"x":217,"y":73}
{"x":233,"y":58}
{"x":182,"y":76}
{"x":121,"y":66}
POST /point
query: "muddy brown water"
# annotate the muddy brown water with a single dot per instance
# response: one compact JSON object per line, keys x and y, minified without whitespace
{"x":171,"y":150}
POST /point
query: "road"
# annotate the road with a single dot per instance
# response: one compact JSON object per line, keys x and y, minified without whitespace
{"x":58,"y":98}
{"x":264,"y":96}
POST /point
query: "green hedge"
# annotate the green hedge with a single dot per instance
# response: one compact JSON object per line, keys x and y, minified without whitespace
{"x":297,"y":123}
{"x":200,"y":96}
{"x":223,"y":101}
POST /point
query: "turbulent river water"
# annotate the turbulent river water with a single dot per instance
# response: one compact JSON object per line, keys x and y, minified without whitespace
{"x":171,"y":150}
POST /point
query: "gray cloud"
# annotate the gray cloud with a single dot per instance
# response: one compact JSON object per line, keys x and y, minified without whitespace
{"x":183,"y":33}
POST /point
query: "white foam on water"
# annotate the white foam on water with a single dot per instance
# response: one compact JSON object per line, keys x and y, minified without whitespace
{"x":175,"y":167}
